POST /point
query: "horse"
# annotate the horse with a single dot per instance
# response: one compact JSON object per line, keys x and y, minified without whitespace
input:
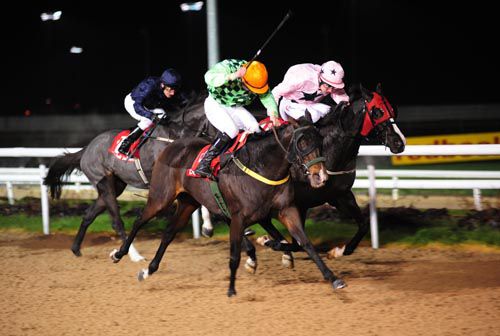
{"x":369,"y":115}
{"x":248,"y":200}
{"x":110,"y":174}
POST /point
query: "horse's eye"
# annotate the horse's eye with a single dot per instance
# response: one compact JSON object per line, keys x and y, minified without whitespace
{"x":377,"y":113}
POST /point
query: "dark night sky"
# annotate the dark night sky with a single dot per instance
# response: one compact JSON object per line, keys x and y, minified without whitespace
{"x":423,"y":52}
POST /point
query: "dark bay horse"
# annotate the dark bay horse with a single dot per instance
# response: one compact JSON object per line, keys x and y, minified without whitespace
{"x":249,"y":200}
{"x":368,"y":115}
{"x":110,"y":175}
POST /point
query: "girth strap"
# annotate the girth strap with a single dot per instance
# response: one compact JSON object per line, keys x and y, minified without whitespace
{"x":138,"y":166}
{"x":214,"y":187}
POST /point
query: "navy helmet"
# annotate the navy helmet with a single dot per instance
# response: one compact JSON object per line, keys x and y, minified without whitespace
{"x":171,"y":78}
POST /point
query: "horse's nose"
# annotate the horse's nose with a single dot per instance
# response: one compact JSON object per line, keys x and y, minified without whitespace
{"x":319,"y":178}
{"x":398,"y":147}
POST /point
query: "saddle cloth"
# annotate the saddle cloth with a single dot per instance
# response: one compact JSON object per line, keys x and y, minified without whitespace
{"x":117,"y":141}
{"x":239,"y":142}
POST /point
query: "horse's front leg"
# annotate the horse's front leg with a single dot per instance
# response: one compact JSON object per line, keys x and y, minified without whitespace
{"x":153,"y":208}
{"x":109,"y":189}
{"x":235,"y":237}
{"x":179,"y":220}
{"x":346,"y":204}
{"x":291,"y":219}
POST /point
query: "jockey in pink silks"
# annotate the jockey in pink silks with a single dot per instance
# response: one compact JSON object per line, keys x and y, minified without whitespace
{"x":306,"y":85}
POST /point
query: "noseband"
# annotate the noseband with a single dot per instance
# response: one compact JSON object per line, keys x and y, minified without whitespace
{"x":296,"y":155}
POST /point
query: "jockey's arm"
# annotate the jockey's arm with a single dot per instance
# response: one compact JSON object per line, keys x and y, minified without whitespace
{"x":339,"y":95}
{"x":144,"y":89}
{"x":269,"y":103}
{"x":285,"y":88}
{"x":218,"y":75}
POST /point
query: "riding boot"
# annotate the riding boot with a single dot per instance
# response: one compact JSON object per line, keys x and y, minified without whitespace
{"x":129,"y":140}
{"x":220,"y":144}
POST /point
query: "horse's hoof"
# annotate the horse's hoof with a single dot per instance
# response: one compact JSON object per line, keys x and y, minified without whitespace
{"x":336,"y":252}
{"x":231,"y":292}
{"x":113,"y":256}
{"x":251,"y":266}
{"x":143,"y":274}
{"x":207,"y":232}
{"x":262,"y":240}
{"x":287,"y":261}
{"x":77,"y":253}
{"x":339,"y":284}
{"x":249,"y":232}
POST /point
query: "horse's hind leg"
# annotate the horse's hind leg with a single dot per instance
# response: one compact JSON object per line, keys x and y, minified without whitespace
{"x":279,"y":243}
{"x":183,"y":212}
{"x":251,"y":263}
{"x":346,"y":203}
{"x":207,"y":229}
{"x":291,"y":219}
{"x":92,"y":212}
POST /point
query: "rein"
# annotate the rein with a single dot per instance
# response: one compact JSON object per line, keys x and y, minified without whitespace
{"x":341,"y":172}
{"x":278,"y":140}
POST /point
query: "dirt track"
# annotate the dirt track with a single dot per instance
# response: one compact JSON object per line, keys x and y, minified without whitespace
{"x":391,"y":291}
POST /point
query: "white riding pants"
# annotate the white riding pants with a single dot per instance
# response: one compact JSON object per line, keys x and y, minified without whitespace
{"x":296,"y":110}
{"x":143,"y":121}
{"x":230,"y":120}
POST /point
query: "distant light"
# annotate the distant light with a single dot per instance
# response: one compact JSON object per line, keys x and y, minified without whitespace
{"x":76,"y":50}
{"x":46,"y":16}
{"x":191,"y":6}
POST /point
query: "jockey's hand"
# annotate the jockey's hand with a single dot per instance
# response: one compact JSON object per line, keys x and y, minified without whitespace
{"x":241,"y":72}
{"x":238,"y":74}
{"x":275,"y":121}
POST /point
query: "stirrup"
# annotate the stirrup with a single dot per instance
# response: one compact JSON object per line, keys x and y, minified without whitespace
{"x":203,"y":173}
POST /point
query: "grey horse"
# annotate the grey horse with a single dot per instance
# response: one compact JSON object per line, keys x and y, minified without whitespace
{"x":110,"y":175}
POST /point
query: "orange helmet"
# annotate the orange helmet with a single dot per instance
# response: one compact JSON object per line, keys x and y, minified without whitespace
{"x":255,"y":78}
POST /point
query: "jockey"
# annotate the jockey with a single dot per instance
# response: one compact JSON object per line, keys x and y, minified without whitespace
{"x":148,"y":98}
{"x":306,"y":85}
{"x":233,"y":84}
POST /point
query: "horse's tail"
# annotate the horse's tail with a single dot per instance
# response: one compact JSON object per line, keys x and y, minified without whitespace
{"x":62,"y":166}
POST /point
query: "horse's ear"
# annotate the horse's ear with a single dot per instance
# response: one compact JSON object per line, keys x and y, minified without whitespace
{"x":308,"y":116}
{"x":365,"y":93}
{"x":379,"y":89}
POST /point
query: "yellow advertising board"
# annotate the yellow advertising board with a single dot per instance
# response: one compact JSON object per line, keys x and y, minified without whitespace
{"x":455,"y":139}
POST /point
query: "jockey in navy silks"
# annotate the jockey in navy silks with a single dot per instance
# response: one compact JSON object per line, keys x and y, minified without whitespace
{"x":233,"y":84}
{"x":148,"y":98}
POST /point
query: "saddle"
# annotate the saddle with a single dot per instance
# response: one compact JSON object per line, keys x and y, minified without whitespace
{"x":239,"y":142}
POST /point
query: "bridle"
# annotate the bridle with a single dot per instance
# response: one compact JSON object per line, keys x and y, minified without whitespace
{"x":377,"y":111}
{"x":295,"y":155}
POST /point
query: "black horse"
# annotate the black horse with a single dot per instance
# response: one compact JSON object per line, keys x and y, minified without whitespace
{"x":368,"y":115}
{"x":110,"y":175}
{"x":249,"y":200}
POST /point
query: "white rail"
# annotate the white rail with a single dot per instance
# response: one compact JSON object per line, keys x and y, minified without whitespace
{"x":477,"y":179}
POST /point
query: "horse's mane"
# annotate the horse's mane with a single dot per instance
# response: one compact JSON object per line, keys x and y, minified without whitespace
{"x":186,"y":102}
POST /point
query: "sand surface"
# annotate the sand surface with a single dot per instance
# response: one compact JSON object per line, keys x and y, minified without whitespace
{"x":391,"y":291}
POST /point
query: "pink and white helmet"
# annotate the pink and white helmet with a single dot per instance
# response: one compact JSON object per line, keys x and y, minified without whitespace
{"x":332,"y":74}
